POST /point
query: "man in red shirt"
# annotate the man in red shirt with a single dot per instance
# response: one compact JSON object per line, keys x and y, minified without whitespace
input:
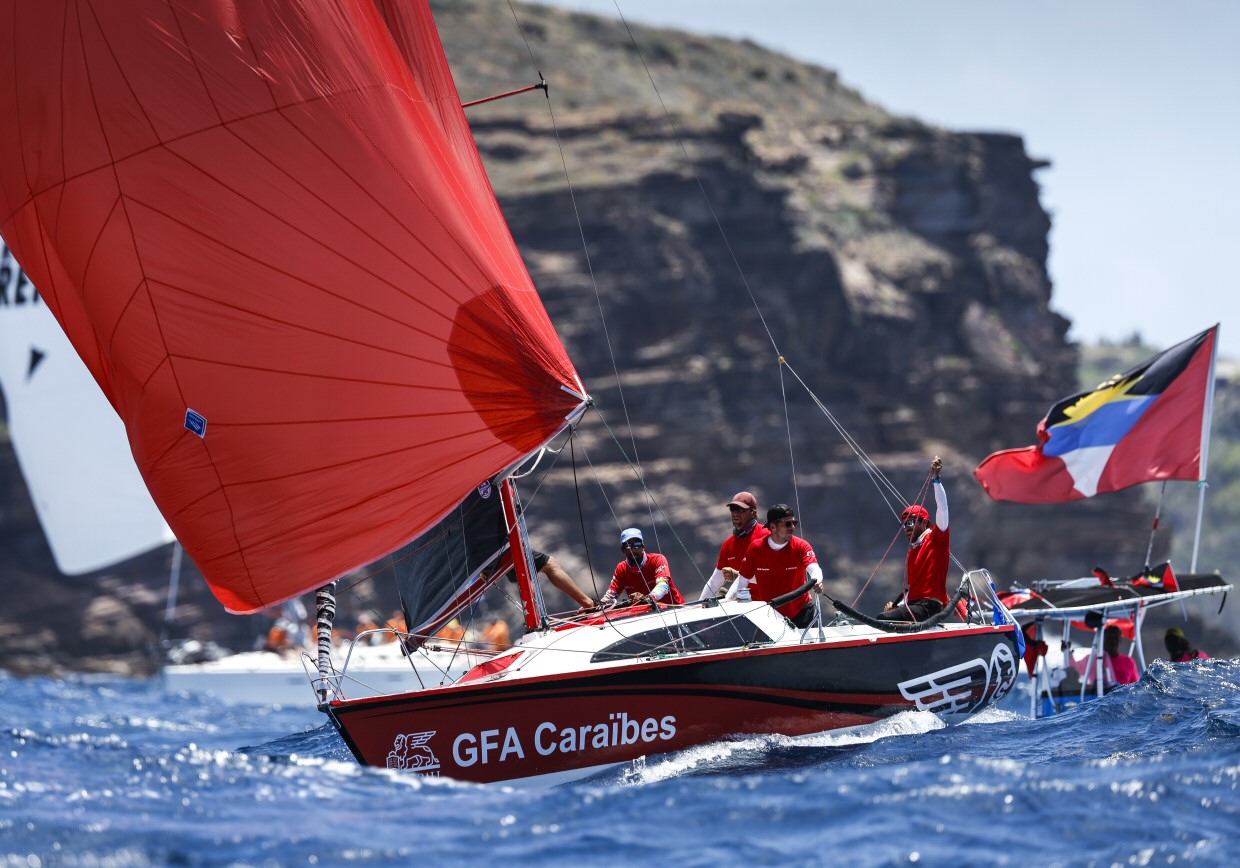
{"x":745,"y":531}
{"x":929,"y":556}
{"x":644,"y":575}
{"x":779,"y":563}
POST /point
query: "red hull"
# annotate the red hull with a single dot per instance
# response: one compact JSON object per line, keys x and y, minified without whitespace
{"x":556,"y":725}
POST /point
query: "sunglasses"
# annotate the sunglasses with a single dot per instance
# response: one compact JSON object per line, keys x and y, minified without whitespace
{"x":789,"y":522}
{"x":633,"y":544}
{"x":912,"y":522}
{"x":739,"y":508}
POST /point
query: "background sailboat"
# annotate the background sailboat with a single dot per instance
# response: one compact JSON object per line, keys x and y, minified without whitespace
{"x":91,"y":502}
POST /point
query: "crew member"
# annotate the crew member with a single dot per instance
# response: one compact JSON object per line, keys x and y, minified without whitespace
{"x":1179,"y":650}
{"x":745,"y":532}
{"x":780,"y":563}
{"x":929,"y":555}
{"x":643,"y":575}
{"x":557,"y":575}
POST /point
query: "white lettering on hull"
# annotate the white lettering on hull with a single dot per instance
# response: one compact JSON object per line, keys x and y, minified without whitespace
{"x":494,"y":746}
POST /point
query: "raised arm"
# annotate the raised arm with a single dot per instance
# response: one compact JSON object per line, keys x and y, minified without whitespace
{"x":940,"y":495}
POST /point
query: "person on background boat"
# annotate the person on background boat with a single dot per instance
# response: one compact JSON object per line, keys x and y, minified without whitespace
{"x":290,"y":634}
{"x":452,"y":633}
{"x":644,"y":576}
{"x":495,"y":636}
{"x":1117,"y":668}
{"x":745,"y":531}
{"x":778,"y":563}
{"x":366,"y":623}
{"x":929,"y":556}
{"x":1179,"y":650}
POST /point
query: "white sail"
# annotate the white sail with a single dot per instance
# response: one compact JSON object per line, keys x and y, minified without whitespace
{"x":70,"y":444}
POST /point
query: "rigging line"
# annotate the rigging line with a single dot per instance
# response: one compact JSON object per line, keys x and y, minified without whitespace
{"x":880,"y":480}
{"x":597,"y":477}
{"x":875,"y":472}
{"x":615,"y":518}
{"x":599,"y":481}
{"x":651,"y":498}
{"x":792,"y":462}
{"x":581,"y":518}
{"x":872,"y":468}
{"x":689,"y":162}
{"x":585,"y":249}
{"x":878,"y":566}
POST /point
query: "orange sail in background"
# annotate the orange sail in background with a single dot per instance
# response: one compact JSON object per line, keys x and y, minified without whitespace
{"x":265,"y":227}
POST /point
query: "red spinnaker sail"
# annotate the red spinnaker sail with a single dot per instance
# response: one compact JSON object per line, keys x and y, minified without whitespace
{"x":265,"y":227}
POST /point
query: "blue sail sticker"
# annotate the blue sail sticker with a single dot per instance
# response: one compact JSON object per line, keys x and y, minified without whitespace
{"x":196,"y":422}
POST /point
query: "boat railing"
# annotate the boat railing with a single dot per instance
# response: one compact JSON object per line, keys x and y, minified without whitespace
{"x":428,"y":652}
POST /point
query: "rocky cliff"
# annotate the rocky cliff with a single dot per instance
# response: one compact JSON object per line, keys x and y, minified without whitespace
{"x":754,"y":208}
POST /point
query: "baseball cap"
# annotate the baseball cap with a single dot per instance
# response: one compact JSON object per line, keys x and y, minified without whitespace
{"x":745,"y":500}
{"x":778,"y":511}
{"x":915,"y":512}
{"x":630,"y":533}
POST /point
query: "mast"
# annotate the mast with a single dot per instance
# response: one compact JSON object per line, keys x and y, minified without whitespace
{"x":518,"y":538}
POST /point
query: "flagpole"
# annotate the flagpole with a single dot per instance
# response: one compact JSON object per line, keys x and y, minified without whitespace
{"x":1207,"y":418}
{"x":1149,"y":551}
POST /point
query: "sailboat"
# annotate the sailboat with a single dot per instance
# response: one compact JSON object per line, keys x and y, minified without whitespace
{"x":267,"y":230}
{"x":1150,"y":423}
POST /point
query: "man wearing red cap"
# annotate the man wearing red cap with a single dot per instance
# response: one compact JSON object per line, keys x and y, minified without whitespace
{"x":745,"y":532}
{"x":929,"y":555}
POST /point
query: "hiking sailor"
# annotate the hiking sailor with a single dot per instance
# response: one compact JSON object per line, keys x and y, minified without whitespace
{"x":929,"y":555}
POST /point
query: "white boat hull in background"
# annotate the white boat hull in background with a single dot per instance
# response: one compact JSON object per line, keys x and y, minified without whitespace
{"x":266,"y":678}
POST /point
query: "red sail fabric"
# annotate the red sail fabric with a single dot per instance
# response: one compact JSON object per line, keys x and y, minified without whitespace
{"x":270,"y":237}
{"x":1148,"y":424}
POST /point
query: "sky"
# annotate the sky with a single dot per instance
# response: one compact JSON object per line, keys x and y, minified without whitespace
{"x":1136,"y":104}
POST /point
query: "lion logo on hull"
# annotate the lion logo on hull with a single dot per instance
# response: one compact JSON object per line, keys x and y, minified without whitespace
{"x":409,"y":752}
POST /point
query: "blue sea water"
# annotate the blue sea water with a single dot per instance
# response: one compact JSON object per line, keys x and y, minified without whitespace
{"x":117,"y":772}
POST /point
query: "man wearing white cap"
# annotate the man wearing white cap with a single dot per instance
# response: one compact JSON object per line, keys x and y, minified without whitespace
{"x":745,"y":532}
{"x":643,"y":575}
